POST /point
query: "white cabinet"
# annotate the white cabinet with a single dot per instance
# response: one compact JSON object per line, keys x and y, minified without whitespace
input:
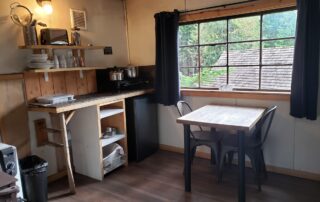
{"x":87,"y":128}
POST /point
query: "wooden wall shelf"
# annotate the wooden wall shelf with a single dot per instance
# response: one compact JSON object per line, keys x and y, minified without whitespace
{"x":69,"y":69}
{"x":37,"y":47}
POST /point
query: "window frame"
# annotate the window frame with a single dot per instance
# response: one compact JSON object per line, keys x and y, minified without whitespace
{"x":227,"y":66}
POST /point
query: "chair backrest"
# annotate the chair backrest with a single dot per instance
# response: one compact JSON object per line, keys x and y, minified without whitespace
{"x":263,"y":126}
{"x":184,"y":109}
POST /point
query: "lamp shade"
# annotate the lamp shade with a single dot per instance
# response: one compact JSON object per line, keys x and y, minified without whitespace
{"x":46,"y":6}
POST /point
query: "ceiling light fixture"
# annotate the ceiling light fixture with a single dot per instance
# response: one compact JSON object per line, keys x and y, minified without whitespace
{"x":46,"y":6}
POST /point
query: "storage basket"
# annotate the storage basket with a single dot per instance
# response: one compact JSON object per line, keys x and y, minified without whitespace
{"x":113,"y":157}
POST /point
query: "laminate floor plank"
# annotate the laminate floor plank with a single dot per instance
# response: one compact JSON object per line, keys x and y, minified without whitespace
{"x":159,"y":178}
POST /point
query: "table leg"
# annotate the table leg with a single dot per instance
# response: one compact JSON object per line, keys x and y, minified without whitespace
{"x":66,"y":152}
{"x":241,"y":163}
{"x":187,"y":159}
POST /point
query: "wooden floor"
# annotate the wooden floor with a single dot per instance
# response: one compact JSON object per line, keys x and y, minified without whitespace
{"x":159,"y":178}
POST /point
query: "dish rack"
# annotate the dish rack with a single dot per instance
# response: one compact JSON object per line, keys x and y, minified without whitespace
{"x":114,"y":157}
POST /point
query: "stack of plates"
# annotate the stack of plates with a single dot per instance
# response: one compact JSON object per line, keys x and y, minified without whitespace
{"x":39,"y":61}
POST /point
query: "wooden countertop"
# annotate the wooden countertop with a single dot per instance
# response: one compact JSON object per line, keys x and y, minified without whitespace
{"x":89,"y":100}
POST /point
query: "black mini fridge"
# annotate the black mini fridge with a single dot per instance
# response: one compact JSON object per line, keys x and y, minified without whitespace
{"x":142,"y":127}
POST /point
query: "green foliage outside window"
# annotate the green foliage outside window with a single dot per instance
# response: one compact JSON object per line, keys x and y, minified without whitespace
{"x":208,"y":50}
{"x":207,"y":74}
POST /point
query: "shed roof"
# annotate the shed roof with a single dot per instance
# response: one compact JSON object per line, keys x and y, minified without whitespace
{"x":274,"y":76}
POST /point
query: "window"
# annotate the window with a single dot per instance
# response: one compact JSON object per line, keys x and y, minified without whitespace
{"x":249,"y":53}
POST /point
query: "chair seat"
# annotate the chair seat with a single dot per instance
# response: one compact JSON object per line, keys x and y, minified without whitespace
{"x":206,"y":136}
{"x":232,"y":141}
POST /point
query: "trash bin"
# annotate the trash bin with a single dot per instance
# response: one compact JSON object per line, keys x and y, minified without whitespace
{"x":34,"y":178}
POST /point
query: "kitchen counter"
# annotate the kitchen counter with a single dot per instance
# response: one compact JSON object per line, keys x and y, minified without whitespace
{"x":89,"y":100}
{"x":85,"y":121}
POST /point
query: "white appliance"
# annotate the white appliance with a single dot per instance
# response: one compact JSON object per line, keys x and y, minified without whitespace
{"x":55,"y":99}
{"x":9,"y":163}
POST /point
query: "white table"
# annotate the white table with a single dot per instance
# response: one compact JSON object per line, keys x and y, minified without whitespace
{"x":241,"y":119}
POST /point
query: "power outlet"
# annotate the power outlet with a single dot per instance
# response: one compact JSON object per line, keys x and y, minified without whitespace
{"x":107,"y":50}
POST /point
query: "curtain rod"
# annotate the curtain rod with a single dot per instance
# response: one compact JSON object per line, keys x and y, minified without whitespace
{"x":213,"y":7}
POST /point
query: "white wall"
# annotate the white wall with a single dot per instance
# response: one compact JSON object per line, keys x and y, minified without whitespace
{"x":141,"y":24}
{"x":105,"y":20}
{"x":293,"y":143}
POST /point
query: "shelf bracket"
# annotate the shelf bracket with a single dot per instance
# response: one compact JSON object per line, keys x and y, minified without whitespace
{"x":69,"y":116}
{"x":46,"y":76}
{"x":81,"y":74}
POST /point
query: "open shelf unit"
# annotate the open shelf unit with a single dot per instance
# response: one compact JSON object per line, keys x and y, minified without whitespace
{"x":113,"y":115}
{"x":42,"y":47}
{"x":88,"y":146}
{"x":64,"y":69}
{"x":77,"y":51}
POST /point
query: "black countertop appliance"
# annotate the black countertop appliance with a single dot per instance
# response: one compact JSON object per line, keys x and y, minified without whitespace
{"x":104,"y":84}
{"x":142,"y":127}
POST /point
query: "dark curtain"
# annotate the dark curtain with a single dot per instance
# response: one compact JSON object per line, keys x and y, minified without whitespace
{"x":305,"y":78}
{"x":167,"y":74}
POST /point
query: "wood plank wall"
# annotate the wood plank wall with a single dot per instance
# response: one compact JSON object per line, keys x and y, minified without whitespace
{"x":60,"y":82}
{"x":240,"y":9}
{"x":14,"y":128}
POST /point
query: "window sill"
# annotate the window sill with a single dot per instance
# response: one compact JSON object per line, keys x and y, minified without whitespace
{"x":255,"y":95}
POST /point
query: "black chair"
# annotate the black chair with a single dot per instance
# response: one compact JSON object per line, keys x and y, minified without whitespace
{"x":200,"y":137}
{"x":253,"y":146}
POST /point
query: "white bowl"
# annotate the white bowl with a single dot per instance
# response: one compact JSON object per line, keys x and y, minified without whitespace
{"x":38,"y":57}
{"x":40,"y":65}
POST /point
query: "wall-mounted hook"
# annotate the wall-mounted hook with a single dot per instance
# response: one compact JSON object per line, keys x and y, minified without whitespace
{"x":46,"y":76}
{"x":81,"y":74}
